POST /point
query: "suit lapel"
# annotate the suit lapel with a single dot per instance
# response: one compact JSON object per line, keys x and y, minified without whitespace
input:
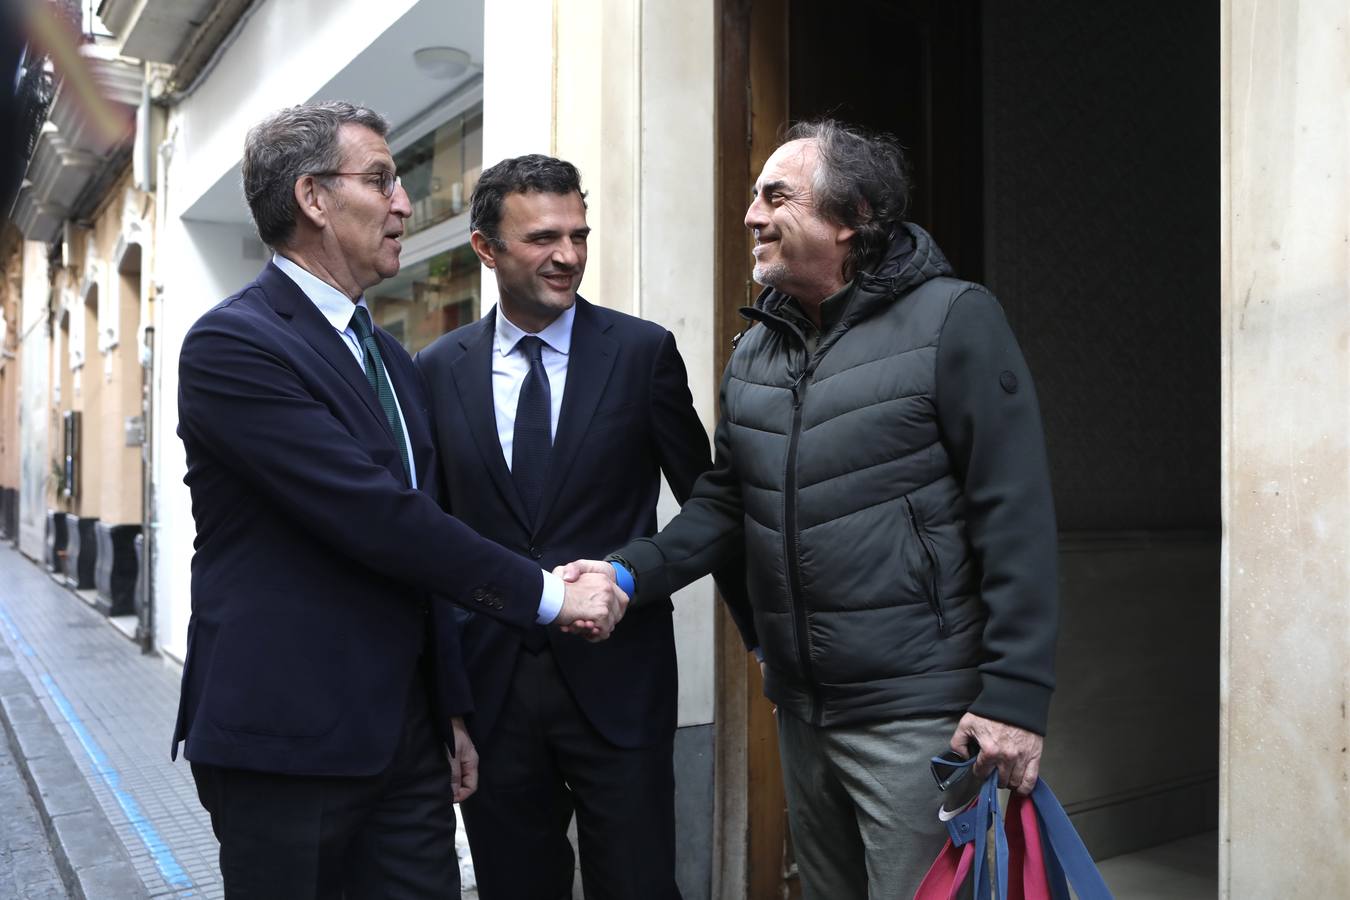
{"x":289,"y":301}
{"x":472,"y":374}
{"x":588,"y":368}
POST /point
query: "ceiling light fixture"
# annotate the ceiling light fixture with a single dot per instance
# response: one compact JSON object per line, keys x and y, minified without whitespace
{"x":445,"y":63}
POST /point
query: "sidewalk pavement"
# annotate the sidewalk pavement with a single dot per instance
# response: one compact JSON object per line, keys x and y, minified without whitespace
{"x":90,"y":720}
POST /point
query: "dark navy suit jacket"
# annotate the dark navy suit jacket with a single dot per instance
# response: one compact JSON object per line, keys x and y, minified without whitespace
{"x":316,"y":563}
{"x":626,"y":417}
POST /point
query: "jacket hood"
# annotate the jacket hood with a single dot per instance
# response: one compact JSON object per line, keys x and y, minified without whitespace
{"x":912,"y":259}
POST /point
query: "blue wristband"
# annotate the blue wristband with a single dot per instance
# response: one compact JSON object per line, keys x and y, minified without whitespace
{"x":624,"y":578}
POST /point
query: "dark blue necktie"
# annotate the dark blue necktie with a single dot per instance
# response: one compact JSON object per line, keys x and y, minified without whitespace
{"x":379,"y":382}
{"x":532,"y":442}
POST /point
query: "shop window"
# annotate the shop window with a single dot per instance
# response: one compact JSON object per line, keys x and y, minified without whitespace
{"x":428,"y":299}
{"x":439,"y":170}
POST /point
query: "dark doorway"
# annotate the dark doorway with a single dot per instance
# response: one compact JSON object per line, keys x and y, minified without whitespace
{"x":910,"y":68}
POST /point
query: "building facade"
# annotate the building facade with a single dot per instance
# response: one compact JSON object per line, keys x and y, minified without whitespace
{"x":1163,"y":212}
{"x":78,"y":324}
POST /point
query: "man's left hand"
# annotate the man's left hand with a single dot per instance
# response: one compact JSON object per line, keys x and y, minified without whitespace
{"x":1015,"y":752}
{"x":464,"y":763}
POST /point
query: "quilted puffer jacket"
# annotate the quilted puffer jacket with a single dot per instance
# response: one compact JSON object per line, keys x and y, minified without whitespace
{"x":888,"y":482}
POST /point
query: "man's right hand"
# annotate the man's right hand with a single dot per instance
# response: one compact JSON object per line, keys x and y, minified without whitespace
{"x":1015,"y":752}
{"x":592,"y":605}
{"x":574,"y":570}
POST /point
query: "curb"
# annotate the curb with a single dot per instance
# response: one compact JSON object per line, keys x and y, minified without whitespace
{"x":91,"y":858}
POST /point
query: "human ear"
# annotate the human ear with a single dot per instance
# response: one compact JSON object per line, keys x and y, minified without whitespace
{"x":308,"y":199}
{"x":483,"y":248}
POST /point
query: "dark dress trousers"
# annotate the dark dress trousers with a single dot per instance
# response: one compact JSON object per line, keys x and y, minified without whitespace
{"x":322,"y":655}
{"x":601,"y":716}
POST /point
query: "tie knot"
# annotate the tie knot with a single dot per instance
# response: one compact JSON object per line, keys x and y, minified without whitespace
{"x":532,"y":347}
{"x":361,"y":323}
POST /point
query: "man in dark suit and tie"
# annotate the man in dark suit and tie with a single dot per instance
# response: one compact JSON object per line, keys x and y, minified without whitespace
{"x":322,"y":676}
{"x":554,"y":420}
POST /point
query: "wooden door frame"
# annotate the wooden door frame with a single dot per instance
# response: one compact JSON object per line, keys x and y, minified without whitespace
{"x":749,"y":824}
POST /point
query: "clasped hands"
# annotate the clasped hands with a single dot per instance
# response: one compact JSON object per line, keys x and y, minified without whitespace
{"x":592,"y":603}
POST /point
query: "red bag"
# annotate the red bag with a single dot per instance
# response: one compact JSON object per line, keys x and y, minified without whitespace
{"x":1026,"y":860}
{"x":1036,"y":857}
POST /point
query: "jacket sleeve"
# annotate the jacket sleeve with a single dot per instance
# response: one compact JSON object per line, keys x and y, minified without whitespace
{"x":681,"y":447}
{"x":244,"y":405}
{"x":991,"y":426}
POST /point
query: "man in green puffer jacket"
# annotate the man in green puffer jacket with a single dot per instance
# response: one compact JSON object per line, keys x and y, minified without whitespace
{"x":880,"y":458}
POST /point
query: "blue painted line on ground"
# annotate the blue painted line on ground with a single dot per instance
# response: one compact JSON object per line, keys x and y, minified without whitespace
{"x":165,"y":861}
{"x":13,"y":630}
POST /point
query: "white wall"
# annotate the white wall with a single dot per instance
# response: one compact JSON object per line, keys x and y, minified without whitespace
{"x":673,"y":214}
{"x":201,"y":263}
{"x":1286,"y":404}
{"x":518,"y":93}
{"x":33,"y":398}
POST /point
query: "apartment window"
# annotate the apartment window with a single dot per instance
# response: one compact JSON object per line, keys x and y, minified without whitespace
{"x":440,"y":168}
{"x":429,"y":298}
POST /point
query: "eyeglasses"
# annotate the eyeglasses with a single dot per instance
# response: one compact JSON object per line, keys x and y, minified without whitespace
{"x":949,"y":768}
{"x":387,"y":184}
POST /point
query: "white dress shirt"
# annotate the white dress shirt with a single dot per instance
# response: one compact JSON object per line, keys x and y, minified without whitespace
{"x":338,"y":309}
{"x":510,"y":366}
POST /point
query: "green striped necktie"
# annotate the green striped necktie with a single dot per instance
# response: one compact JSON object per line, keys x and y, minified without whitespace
{"x":379,"y":382}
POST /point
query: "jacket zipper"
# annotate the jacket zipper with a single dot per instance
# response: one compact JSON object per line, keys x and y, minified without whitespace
{"x":934,"y":597}
{"x":792,"y":547}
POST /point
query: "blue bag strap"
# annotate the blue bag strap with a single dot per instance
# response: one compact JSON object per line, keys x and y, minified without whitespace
{"x":1067,"y":854}
{"x":1000,"y":837}
{"x":973,"y":825}
{"x":1054,"y":872}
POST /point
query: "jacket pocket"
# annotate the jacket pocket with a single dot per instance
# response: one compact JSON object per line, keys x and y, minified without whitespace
{"x":931,"y":562}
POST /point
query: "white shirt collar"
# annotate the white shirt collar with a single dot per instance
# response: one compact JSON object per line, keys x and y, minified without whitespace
{"x":336,"y":306}
{"x":557,"y":335}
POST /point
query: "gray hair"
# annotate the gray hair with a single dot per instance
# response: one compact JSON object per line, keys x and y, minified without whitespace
{"x":287,"y":145}
{"x":861,"y":182}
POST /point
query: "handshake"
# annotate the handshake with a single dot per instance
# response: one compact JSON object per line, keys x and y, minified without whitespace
{"x":593,"y":603}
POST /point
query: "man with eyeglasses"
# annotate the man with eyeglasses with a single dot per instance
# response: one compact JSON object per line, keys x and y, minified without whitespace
{"x":323,"y":684}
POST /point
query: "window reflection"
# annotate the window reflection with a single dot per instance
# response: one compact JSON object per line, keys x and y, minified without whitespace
{"x":439,"y":170}
{"x":424,"y":301}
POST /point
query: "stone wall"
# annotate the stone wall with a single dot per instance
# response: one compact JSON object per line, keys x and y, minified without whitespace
{"x":1286,"y":424}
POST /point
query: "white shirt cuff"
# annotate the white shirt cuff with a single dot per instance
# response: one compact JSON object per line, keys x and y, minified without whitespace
{"x":551,"y":601}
